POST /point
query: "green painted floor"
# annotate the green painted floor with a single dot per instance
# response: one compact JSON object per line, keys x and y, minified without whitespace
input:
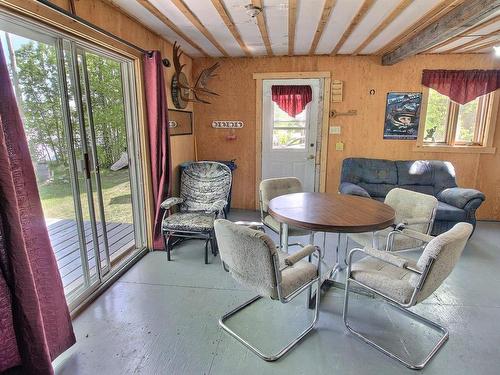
{"x":161,"y":318}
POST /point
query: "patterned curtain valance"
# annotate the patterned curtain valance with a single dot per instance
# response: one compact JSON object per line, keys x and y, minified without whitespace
{"x":462,"y":86}
{"x":291,"y":98}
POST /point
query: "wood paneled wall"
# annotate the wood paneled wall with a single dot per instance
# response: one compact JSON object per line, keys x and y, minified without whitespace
{"x":110,"y":18}
{"x":361,"y":134}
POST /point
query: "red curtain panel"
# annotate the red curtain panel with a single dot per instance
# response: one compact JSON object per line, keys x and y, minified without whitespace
{"x":462,"y":86}
{"x":159,"y":139}
{"x":33,"y":306}
{"x":291,"y":98}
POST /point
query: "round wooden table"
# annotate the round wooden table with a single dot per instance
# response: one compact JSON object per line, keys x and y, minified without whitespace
{"x":330,"y":212}
{"x":327,"y":212}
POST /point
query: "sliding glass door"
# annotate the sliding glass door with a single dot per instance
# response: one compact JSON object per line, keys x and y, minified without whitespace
{"x":77,"y":104}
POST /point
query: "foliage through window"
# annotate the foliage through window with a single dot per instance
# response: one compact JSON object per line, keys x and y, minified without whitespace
{"x":453,"y":124}
{"x":289,"y":132}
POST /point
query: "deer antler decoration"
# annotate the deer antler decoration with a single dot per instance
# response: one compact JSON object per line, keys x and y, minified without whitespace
{"x":188,"y":93}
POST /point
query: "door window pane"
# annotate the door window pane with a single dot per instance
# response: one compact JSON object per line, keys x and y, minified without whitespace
{"x":289,"y":139}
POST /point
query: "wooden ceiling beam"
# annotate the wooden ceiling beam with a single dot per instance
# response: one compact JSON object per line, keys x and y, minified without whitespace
{"x":424,"y":21}
{"x":365,"y":7}
{"x":292,"y":21}
{"x":226,"y":17}
{"x":456,"y":21}
{"x":167,"y":22}
{"x":465,"y":33}
{"x":386,"y":22}
{"x":261,"y":23}
{"x":481,"y":47}
{"x":188,"y":13}
{"x":325,"y":16}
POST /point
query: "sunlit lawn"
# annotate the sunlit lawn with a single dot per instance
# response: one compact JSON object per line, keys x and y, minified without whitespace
{"x":57,"y":198}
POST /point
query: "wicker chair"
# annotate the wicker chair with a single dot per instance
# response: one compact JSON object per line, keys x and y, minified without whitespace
{"x":404,"y":283}
{"x":254,"y":261}
{"x":204,"y":193}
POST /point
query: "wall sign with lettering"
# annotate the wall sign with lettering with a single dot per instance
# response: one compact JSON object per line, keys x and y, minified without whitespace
{"x":227,"y":124}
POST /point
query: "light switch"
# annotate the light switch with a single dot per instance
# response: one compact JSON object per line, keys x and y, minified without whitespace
{"x":334,"y":129}
{"x":339,"y":146}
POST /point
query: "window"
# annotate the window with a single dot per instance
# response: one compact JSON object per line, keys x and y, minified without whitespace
{"x":289,"y":132}
{"x":449,"y":124}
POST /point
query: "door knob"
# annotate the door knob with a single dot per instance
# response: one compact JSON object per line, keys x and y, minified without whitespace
{"x":310,"y":157}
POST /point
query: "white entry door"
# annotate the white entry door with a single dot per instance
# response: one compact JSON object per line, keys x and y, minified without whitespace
{"x":289,"y":144}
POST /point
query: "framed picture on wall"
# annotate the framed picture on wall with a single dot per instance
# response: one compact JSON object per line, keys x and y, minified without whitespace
{"x":180,"y":122}
{"x":402,"y":115}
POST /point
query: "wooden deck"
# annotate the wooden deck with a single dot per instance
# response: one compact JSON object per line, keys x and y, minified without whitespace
{"x":64,"y":238}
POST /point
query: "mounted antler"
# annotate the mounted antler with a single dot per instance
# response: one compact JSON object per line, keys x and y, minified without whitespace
{"x":192,"y":93}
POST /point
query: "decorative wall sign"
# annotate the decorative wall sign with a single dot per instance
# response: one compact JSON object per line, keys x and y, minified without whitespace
{"x":402,"y":115}
{"x":227,"y":124}
{"x":180,"y":122}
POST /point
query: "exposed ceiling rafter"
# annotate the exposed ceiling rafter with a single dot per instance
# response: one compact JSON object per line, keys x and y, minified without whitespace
{"x":261,"y":23}
{"x":167,"y":22}
{"x":325,"y":16}
{"x":226,"y":17}
{"x":365,"y":7}
{"x":188,"y":13}
{"x":381,"y":27}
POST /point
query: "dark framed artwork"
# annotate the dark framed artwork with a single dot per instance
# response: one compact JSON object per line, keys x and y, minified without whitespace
{"x":180,"y":122}
{"x":402,"y":115}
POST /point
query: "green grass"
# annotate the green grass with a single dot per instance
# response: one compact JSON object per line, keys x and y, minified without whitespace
{"x":57,"y":198}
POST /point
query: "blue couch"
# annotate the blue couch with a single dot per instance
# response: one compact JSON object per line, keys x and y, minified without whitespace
{"x":376,"y":177}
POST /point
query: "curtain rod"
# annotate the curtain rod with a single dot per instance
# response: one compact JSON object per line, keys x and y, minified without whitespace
{"x":83,"y":21}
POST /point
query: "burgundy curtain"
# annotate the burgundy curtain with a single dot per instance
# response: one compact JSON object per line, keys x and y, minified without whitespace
{"x":159,"y":139}
{"x":291,"y":98}
{"x":35,"y":325}
{"x":462,"y":86}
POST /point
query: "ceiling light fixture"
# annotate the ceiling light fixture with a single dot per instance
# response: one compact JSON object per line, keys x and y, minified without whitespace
{"x":252,"y":10}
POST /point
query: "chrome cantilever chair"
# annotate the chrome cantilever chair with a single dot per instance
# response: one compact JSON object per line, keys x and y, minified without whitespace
{"x":404,"y":283}
{"x":415,"y":211}
{"x":275,"y":187}
{"x":254,"y":261}
{"x":204,"y":193}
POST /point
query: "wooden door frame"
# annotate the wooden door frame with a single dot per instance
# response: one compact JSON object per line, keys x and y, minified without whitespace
{"x":259,"y":77}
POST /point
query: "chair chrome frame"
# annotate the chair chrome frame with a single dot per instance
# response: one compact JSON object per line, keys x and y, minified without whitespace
{"x":396,"y":231}
{"x":282,"y":299}
{"x":401,"y":307}
{"x":280,"y":232}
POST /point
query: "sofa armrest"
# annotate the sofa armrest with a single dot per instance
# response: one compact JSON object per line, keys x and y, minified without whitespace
{"x":459,"y":197}
{"x":352,"y":189}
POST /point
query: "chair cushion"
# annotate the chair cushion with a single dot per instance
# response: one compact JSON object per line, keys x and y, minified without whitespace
{"x":385,"y":278}
{"x":189,"y":221}
{"x":292,"y":231}
{"x":293,"y":277}
{"x":448,"y":212}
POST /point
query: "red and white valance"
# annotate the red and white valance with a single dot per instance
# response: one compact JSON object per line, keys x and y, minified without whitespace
{"x":462,"y":86}
{"x":291,"y":98}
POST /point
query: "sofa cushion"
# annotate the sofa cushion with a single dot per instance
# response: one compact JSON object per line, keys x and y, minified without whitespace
{"x":448,"y":212}
{"x":377,"y":190}
{"x":371,"y":171}
{"x":414,"y":172}
{"x":444,"y":175}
